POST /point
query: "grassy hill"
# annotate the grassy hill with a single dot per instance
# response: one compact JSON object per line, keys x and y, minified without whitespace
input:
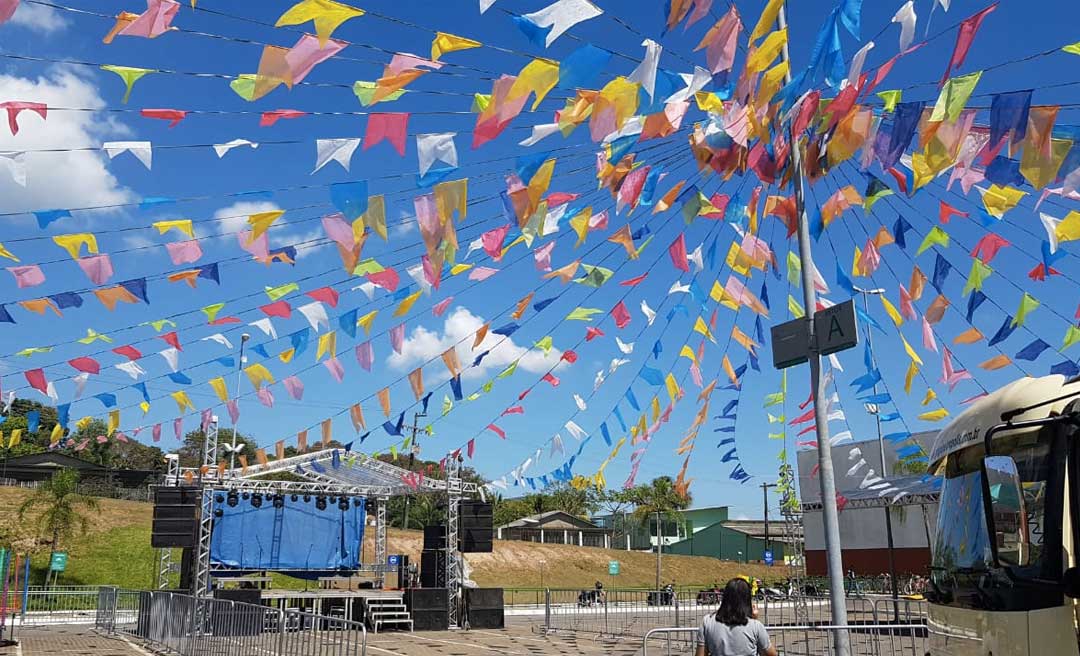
{"x":116,"y":550}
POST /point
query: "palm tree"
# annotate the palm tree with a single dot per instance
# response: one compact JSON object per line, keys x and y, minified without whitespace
{"x":660,"y":500}
{"x":60,"y":506}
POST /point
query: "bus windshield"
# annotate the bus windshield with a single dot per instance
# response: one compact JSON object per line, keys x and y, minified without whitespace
{"x":963,"y":551}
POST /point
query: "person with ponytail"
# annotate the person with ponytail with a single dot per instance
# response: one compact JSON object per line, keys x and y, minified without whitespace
{"x":733,"y":629}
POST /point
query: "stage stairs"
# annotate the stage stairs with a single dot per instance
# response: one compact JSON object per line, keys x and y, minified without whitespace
{"x":388,"y":611}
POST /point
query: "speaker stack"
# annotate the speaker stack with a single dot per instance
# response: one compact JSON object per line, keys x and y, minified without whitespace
{"x":484,"y":608}
{"x":176,"y":514}
{"x":433,"y":557}
{"x":475,"y":527}
{"x":430,"y":608}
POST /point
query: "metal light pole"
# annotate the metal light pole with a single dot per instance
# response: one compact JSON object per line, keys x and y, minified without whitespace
{"x":414,"y":450}
{"x":765,"y":495}
{"x":236,"y":426}
{"x":830,"y":515}
{"x":874,"y":410}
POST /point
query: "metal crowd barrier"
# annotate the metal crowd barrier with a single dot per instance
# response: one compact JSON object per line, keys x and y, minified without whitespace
{"x":632,"y":613}
{"x":807,"y":640}
{"x":183,"y":625}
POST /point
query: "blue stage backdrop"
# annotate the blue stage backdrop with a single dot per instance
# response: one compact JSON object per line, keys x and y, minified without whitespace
{"x":297,"y":536}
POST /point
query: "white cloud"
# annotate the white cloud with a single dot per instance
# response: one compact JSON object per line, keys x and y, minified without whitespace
{"x":234,"y":218}
{"x":307,"y":243}
{"x":39,"y":18}
{"x":460,"y":326}
{"x":60,"y":179}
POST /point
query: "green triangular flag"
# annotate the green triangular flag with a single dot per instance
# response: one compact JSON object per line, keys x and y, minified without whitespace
{"x":244,"y":86}
{"x":794,"y":269}
{"x":1027,"y":304}
{"x":890,"y":98}
{"x":582,"y":314}
{"x":954,"y":95}
{"x":1073,"y":48}
{"x":979,"y":273}
{"x":936,"y":237}
{"x":795,"y":308}
{"x":129,"y":75}
{"x":282,"y":290}
{"x":595,"y":276}
{"x":544,"y":344}
{"x":509,"y":371}
{"x":1072,"y":336}
{"x":365,"y":93}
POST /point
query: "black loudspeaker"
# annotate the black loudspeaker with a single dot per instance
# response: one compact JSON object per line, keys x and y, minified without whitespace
{"x":484,"y":608}
{"x":435,"y":536}
{"x":476,"y":527}
{"x":429,"y":607}
{"x":432,"y":569}
{"x":176,"y":512}
{"x":244,"y":619}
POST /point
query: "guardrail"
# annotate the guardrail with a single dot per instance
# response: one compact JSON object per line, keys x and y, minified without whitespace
{"x":183,"y":625}
{"x":622,"y":613}
{"x":806,"y":640}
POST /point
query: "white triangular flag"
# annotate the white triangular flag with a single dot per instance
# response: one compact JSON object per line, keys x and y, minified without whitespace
{"x":266,"y":326}
{"x":315,"y":313}
{"x":856,"y":467}
{"x":556,"y":445}
{"x":561,"y":16}
{"x":678,"y":288}
{"x":694,"y":82}
{"x":1050,"y":224}
{"x":599,"y":380}
{"x":223,"y":148}
{"x":15,"y":162}
{"x":539,"y":132}
{"x":576,"y":431}
{"x":335,"y":150}
{"x":615,"y":363}
{"x":436,"y":147}
{"x":172,"y":356}
{"x":623,"y":346}
{"x":80,"y":383}
{"x":855,"y":70}
{"x":50,"y":391}
{"x":580,"y":403}
{"x":484,"y":6}
{"x":131,"y":368}
{"x":645,"y":73}
{"x":650,"y":314}
{"x":219,"y":338}
{"x":906,"y":17}
{"x":696,"y":258}
{"x":143,"y":150}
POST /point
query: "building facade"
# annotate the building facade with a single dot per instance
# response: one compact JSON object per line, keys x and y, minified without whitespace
{"x":863,"y":534}
{"x":555,"y":527}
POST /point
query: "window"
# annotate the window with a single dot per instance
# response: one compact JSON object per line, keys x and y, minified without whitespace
{"x":963,"y":550}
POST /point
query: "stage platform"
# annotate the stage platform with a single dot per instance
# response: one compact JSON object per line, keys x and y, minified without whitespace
{"x":374,"y":607}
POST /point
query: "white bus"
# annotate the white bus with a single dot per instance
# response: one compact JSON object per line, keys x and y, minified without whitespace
{"x":1004,"y":573}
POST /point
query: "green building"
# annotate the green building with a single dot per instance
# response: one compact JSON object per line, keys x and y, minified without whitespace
{"x":698,"y":532}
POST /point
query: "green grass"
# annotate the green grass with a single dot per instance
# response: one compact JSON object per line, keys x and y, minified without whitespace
{"x":116,"y":551}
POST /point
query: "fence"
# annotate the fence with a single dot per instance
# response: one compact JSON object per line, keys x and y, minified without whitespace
{"x":183,"y":625}
{"x":806,"y":640}
{"x":93,"y":489}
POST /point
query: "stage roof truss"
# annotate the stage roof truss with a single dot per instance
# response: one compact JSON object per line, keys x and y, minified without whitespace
{"x":362,"y":475}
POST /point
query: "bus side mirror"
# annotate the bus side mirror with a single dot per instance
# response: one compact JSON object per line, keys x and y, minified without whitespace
{"x":1070,"y":581}
{"x":1005,"y":518}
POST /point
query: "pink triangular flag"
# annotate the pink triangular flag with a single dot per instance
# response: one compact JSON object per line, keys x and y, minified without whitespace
{"x":333,"y":365}
{"x":27,"y":275}
{"x":365,"y":355}
{"x":294,"y":386}
{"x":392,"y":127}
{"x":184,"y":252}
{"x":397,"y":337}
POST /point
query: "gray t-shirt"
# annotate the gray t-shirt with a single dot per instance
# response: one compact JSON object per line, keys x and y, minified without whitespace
{"x":722,"y":640}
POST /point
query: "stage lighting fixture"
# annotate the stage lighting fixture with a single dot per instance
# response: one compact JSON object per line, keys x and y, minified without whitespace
{"x":279,"y":501}
{"x":343,"y":504}
{"x":219,"y":499}
{"x":233,"y":499}
{"x":295,"y":498}
{"x":245,"y":496}
{"x":333,"y":500}
{"x":307,"y":498}
{"x":357,"y":501}
{"x":320,"y":502}
{"x":256,"y":500}
{"x":219,"y":512}
{"x":369,"y":506}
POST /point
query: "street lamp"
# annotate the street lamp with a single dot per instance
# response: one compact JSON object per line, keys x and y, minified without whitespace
{"x":542,"y":563}
{"x":873,"y":409}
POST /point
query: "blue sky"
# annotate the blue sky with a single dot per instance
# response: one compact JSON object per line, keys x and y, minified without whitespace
{"x":84,"y":179}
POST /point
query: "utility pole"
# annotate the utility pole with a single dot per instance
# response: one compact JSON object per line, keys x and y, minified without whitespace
{"x":830,"y":515}
{"x":236,"y":426}
{"x":765,"y":495}
{"x":414,"y":449}
{"x":876,"y":411}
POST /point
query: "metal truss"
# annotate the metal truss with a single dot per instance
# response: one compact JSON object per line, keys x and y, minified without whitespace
{"x":380,"y":538}
{"x":206,"y":515}
{"x":299,"y":487}
{"x":453,"y":556}
{"x":928,"y":499}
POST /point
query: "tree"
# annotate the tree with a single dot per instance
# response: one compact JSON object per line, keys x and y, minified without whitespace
{"x":581,"y":503}
{"x":59,"y":506}
{"x":658,"y":500}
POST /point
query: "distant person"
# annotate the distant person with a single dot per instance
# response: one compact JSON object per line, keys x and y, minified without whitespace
{"x":732,"y":630}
